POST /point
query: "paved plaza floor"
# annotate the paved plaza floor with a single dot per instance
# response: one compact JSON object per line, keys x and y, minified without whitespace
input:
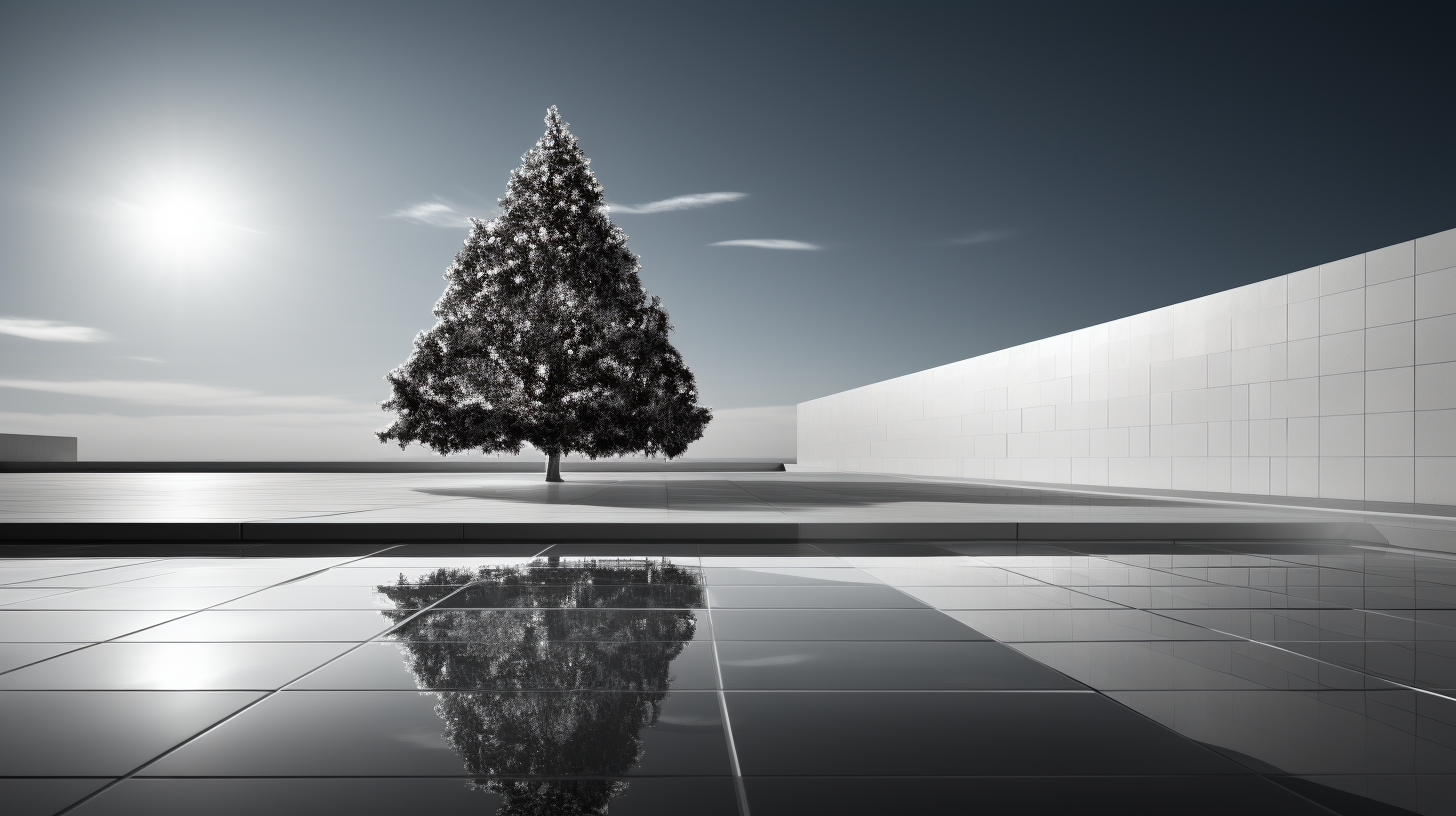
{"x":609,"y":498}
{"x":728,"y":677}
{"x":1207,"y":655}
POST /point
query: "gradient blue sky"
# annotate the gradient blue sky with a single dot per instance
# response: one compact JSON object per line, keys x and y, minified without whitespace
{"x":224,"y":222}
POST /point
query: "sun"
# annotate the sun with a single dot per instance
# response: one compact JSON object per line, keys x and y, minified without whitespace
{"x":179,"y":220}
{"x":184,"y":221}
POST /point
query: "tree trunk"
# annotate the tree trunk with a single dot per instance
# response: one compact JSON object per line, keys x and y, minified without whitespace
{"x":553,"y":468}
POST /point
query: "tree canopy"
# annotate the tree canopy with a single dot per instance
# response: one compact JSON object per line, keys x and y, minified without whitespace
{"x":545,"y":335}
{"x":562,"y":678}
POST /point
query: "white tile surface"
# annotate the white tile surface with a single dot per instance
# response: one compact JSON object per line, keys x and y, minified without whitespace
{"x":1343,"y":275}
{"x":1342,"y":436}
{"x":1304,"y":319}
{"x":1436,"y":340}
{"x":1390,"y":346}
{"x":1391,"y":479}
{"x":1342,"y":394}
{"x":1303,"y":476}
{"x":1435,"y":386}
{"x":1251,"y":388}
{"x":1342,"y":353}
{"x":1342,"y":312}
{"x":1304,"y":358}
{"x":1393,"y":302}
{"x":1436,"y":252}
{"x":1342,"y":477}
{"x":1436,"y":433}
{"x":1436,"y":293}
{"x":1303,"y":285}
{"x":1392,"y":389}
{"x":1390,"y":263}
{"x":1436,"y":479}
{"x":1390,"y":434}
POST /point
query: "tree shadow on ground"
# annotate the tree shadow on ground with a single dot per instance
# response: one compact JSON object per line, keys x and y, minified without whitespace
{"x":724,"y":494}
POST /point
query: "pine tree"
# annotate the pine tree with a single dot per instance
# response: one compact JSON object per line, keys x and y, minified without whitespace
{"x":545,"y":335}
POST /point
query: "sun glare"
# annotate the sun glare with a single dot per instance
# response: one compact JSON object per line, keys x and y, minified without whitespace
{"x":178,"y":221}
{"x":184,"y":222}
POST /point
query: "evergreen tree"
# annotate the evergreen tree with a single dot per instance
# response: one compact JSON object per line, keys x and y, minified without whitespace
{"x":545,"y":335}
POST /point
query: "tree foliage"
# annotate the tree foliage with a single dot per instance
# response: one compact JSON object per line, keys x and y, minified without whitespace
{"x":545,"y":335}
{"x":559,"y":679}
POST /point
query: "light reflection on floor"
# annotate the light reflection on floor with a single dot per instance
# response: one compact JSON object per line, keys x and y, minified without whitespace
{"x":728,"y":678}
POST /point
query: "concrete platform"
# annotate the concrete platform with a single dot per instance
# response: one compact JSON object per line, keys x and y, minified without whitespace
{"x":605,"y":506}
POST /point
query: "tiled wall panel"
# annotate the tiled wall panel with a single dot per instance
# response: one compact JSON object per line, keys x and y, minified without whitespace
{"x":1336,"y":382}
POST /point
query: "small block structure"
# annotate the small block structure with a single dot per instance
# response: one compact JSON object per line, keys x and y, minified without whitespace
{"x":34,"y":448}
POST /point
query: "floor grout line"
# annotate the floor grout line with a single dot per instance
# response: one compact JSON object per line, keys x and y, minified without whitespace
{"x":708,"y":609}
{"x":740,"y":790}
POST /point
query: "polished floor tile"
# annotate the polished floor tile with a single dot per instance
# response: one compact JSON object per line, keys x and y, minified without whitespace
{"x":596,"y":596}
{"x":512,"y":625}
{"x":44,"y":797}
{"x":1083,"y":624}
{"x":473,"y":677}
{"x":56,"y":626}
{"x":551,"y":666}
{"x":222,"y":577}
{"x":1204,"y":664}
{"x":102,"y":733}
{"x":175,"y":666}
{"x":1127,"y":796}
{"x":926,"y":733}
{"x":882,"y":665}
{"x":1330,"y":732}
{"x":1318,"y":624}
{"x":1007,"y":597}
{"x":1424,"y":664}
{"x":385,"y":576}
{"x":188,"y":599}
{"x":662,"y":796}
{"x":1376,"y":794}
{"x":811,"y":597}
{"x":1203,"y":597}
{"x":294,"y":596}
{"x":786,"y":576}
{"x":258,"y":625}
{"x":15,"y":655}
{"x":10,"y":597}
{"x":838,"y":624}
{"x":70,"y":579}
{"x":957,"y":575}
{"x":401,"y":733}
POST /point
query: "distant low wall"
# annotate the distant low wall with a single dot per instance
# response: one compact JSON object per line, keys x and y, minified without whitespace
{"x":1335,"y":382}
{"x":31,"y":448}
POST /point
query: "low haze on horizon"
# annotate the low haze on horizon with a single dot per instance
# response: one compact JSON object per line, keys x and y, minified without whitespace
{"x":224,"y":223}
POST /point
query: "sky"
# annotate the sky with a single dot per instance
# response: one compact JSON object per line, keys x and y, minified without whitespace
{"x":221,"y":224}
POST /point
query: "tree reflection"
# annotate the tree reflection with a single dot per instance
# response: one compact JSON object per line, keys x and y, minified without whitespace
{"x":576,"y":656}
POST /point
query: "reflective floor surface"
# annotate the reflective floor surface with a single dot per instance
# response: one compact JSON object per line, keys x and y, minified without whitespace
{"x":844,"y":678}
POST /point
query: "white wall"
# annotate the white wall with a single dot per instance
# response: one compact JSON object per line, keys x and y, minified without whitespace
{"x":1337,"y":381}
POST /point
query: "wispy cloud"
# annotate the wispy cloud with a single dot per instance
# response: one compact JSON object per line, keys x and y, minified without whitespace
{"x":51,"y":331}
{"x":682,"y":202}
{"x":983,"y":237}
{"x":433,"y":214}
{"x":171,"y":393}
{"x":768,"y":243}
{"x":142,"y":358}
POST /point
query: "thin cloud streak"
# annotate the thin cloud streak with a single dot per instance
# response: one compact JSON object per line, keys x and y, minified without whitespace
{"x":768,"y":243}
{"x":142,"y":358}
{"x":433,"y":214}
{"x":170,"y":393}
{"x":983,"y":237}
{"x":682,"y":202}
{"x":51,"y":331}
